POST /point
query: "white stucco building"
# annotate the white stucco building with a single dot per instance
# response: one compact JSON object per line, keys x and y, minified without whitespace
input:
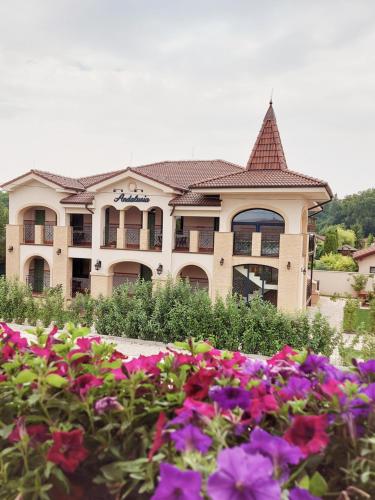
{"x":221,"y":225}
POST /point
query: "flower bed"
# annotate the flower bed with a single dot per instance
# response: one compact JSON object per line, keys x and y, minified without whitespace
{"x":79,"y":420}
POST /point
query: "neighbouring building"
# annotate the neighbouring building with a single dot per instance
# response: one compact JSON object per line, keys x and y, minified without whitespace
{"x":365,"y":259}
{"x":223,"y":226}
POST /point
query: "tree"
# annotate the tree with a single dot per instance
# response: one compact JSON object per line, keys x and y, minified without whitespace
{"x":331,"y":242}
{"x":358,"y":231}
{"x":335,"y":262}
{"x":370,"y":239}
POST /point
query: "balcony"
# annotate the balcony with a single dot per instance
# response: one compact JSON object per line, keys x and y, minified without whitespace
{"x":182,"y":241}
{"x":242,"y":242}
{"x":82,"y":236}
{"x":35,"y":234}
{"x":156,"y":238}
{"x":195,"y":240}
{"x":249,"y":242}
{"x":133,"y":236}
{"x":110,"y":236}
{"x":206,"y":241}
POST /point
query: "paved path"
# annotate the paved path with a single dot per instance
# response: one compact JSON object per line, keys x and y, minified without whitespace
{"x":333,"y":310}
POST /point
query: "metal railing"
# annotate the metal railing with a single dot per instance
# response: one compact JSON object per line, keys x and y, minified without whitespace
{"x":80,"y":285}
{"x":48,"y":233}
{"x":82,"y":236}
{"x":29,"y":231}
{"x":124,"y":278}
{"x":182,"y":241}
{"x":242,"y":242}
{"x":132,"y":237}
{"x":38,"y":282}
{"x":156,"y":238}
{"x":206,"y":240}
{"x":110,"y":235}
{"x":270,"y":244}
{"x":308,"y":292}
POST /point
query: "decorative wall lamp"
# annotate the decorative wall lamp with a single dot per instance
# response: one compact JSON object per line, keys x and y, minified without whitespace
{"x":289,"y":265}
{"x":303,"y":270}
{"x":58,"y":251}
{"x":159,"y":269}
{"x":10,"y":249}
{"x":222,"y":261}
{"x":98,"y":265}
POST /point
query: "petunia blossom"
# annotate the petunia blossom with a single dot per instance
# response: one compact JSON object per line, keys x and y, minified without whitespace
{"x":296,"y":388}
{"x":301,"y":494}
{"x":276,"y":448}
{"x":262,"y":401}
{"x":229,"y":397}
{"x":191,"y":438}
{"x":108,"y":403}
{"x":82,"y":384}
{"x":242,"y":476}
{"x":308,"y":433}
{"x":67,"y":450}
{"x":176,"y":484}
{"x":198,"y":384}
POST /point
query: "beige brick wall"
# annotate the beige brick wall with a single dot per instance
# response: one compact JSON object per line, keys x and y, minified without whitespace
{"x":62,"y":265}
{"x":222,"y":275}
{"x":101,"y":285}
{"x":291,"y":281}
{"x":14,"y":238}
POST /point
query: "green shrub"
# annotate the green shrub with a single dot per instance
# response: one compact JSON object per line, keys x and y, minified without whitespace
{"x":372,"y":316}
{"x":359,"y":282}
{"x":15,"y":299}
{"x":335,"y":262}
{"x":81,"y":310}
{"x":350,"y":315}
{"x":52,"y":307}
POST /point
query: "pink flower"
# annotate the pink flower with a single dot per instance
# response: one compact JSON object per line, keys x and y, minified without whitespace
{"x":82,"y":384}
{"x":67,"y":450}
{"x":158,"y":436}
{"x":284,"y":355}
{"x":261,"y":402}
{"x":308,"y":433}
{"x":332,"y":388}
{"x":148,"y":364}
{"x":38,"y":433}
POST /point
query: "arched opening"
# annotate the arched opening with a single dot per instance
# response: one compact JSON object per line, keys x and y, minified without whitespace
{"x":133,"y":226}
{"x":196,"y":276}
{"x":37,"y":274}
{"x":38,"y":223}
{"x":257,"y":220}
{"x":129,"y":272}
{"x":252,"y":279}
{"x":111,"y":224}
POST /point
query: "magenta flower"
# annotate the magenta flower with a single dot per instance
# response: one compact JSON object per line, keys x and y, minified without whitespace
{"x":106,"y":404}
{"x":301,"y":494}
{"x":229,"y":398}
{"x":367,"y":367}
{"x":82,"y":384}
{"x":241,"y":476}
{"x":191,"y":438}
{"x":275,"y":448}
{"x":176,"y":484}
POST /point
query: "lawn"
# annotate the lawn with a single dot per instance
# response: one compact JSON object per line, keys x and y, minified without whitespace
{"x":363,"y":316}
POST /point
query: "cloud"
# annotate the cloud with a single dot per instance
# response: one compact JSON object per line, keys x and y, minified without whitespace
{"x":90,"y":85}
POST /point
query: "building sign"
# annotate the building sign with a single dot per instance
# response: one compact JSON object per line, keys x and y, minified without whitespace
{"x":131,"y":198}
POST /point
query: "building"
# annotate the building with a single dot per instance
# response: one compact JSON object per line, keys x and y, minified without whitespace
{"x":346,"y":250}
{"x":221,"y":225}
{"x":365,"y":259}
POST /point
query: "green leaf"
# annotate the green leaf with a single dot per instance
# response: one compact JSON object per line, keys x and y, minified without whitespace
{"x":24,"y":377}
{"x":304,"y":483}
{"x":202,"y":348}
{"x":56,"y":380}
{"x":318,"y":485}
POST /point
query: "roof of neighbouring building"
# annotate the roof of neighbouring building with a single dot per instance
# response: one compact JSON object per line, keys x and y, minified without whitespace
{"x":79,"y":198}
{"x":365,"y":252}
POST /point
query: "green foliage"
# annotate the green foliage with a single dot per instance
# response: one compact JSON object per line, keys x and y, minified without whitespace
{"x":354,"y":211}
{"x":175,"y":312}
{"x":331,"y":242}
{"x":16,"y":301}
{"x":372,"y":316}
{"x":81,"y":310}
{"x":370,"y":240}
{"x":350,"y":315}
{"x":359,"y":282}
{"x":52,"y":307}
{"x":344,"y":236}
{"x":335,"y":262}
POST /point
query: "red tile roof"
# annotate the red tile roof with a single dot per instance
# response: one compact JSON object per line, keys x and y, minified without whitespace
{"x":263,"y":178}
{"x":365,"y":252}
{"x":95,"y":179}
{"x":268,"y":151}
{"x":60,"y":180}
{"x":79,"y":198}
{"x":195,"y":199}
{"x":181,"y":174}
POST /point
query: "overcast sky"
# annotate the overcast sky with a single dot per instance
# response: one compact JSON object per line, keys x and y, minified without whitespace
{"x":95,"y":85}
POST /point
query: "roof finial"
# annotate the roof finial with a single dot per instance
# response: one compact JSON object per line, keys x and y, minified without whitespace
{"x":271,"y":96}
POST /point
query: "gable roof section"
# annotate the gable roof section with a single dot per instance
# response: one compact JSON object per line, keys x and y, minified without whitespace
{"x":181,"y":174}
{"x":195,"y":200}
{"x":268,"y":151}
{"x":365,"y":252}
{"x":82,"y":198}
{"x":263,"y":178}
{"x":95,"y":179}
{"x":60,"y":180}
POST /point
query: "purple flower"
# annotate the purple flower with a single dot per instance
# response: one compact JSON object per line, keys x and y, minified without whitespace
{"x":301,"y":494}
{"x":241,"y":476}
{"x":370,"y":391}
{"x":176,"y":484}
{"x":230,"y":397}
{"x":296,"y":388}
{"x":274,"y":447}
{"x":191,"y":438}
{"x":254,"y":366}
{"x":107,"y":403}
{"x":366,"y":367}
{"x":313,"y":363}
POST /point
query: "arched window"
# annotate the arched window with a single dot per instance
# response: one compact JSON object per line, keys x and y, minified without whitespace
{"x":257,"y":220}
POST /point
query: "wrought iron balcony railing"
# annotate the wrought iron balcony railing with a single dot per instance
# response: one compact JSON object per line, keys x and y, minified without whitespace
{"x":242,"y":242}
{"x":206,"y":240}
{"x":38,"y":282}
{"x":82,"y":236}
{"x":270,"y":244}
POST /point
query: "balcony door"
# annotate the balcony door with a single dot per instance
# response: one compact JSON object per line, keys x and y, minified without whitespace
{"x":40,"y":217}
{"x":38,"y":278}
